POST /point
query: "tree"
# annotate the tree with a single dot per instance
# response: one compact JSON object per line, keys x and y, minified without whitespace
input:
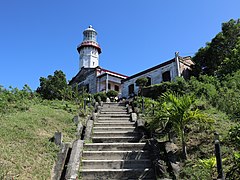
{"x":179,"y":113}
{"x":221,"y":55}
{"x":141,"y":82}
{"x":54,"y":86}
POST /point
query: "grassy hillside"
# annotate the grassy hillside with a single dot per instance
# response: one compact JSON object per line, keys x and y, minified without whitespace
{"x":26,"y":151}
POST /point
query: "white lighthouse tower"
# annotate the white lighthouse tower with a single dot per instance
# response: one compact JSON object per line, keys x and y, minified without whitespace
{"x":89,"y":49}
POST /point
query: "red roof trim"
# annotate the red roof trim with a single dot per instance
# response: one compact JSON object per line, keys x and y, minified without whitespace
{"x":89,"y":44}
{"x":113,"y":73}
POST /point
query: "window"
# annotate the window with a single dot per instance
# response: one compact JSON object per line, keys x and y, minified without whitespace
{"x":131,"y":89}
{"x":149,"y":81}
{"x":86,"y":88}
{"x":116,"y":88}
{"x":166,"y":76}
{"x":109,"y":86}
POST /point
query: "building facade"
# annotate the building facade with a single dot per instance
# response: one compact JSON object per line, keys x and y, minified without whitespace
{"x":96,"y":79}
{"x":167,"y":71}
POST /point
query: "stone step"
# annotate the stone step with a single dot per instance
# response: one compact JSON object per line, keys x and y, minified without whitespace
{"x":114,"y":124}
{"x":114,"y":104}
{"x":116,"y":164}
{"x":123,"y":174}
{"x":111,"y":155}
{"x":114,"y":112}
{"x":115,"y":146}
{"x":113,"y":121}
{"x":114,"y":115}
{"x":115,"y":133}
{"x":100,"y":129}
{"x":115,"y":139}
{"x":113,"y":109}
{"x":113,"y":118}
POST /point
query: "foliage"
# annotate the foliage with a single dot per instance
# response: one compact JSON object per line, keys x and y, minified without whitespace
{"x":223,"y":94}
{"x":13,"y":100}
{"x":150,"y":105}
{"x":234,"y":135}
{"x":208,"y":164}
{"x":234,"y":171}
{"x":198,"y":169}
{"x":179,"y":113}
{"x":141,"y":82}
{"x":53,"y":87}
{"x":112,"y":93}
{"x":204,"y":87}
{"x":222,"y":55}
{"x":179,"y":85}
{"x":228,"y":96}
{"x":100,"y":96}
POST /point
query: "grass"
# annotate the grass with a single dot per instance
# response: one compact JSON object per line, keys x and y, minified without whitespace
{"x":26,"y":151}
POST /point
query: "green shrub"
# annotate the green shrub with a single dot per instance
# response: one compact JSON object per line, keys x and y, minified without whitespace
{"x":234,"y":170}
{"x":234,"y":135}
{"x":112,"y":94}
{"x":179,"y":85}
{"x":100,"y":96}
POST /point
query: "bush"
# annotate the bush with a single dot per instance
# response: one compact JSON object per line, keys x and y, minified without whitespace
{"x":179,"y":86}
{"x":112,"y":93}
{"x":100,"y":96}
{"x":16,"y":100}
{"x":234,"y":135}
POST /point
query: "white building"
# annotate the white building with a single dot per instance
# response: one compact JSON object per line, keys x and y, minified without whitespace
{"x":96,"y":79}
{"x":91,"y":76}
{"x":89,"y":49}
{"x":167,"y":71}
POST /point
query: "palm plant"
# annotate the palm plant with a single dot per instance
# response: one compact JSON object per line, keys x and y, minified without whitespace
{"x":179,"y":112}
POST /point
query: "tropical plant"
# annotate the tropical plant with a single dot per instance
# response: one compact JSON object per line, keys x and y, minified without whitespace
{"x":179,"y":112}
{"x":208,"y":164}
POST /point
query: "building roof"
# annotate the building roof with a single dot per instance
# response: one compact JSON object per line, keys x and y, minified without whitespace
{"x":150,"y":69}
{"x":112,"y":73}
{"x":90,"y":28}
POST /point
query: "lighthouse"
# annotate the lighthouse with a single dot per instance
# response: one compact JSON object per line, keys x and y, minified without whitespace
{"x":89,"y":49}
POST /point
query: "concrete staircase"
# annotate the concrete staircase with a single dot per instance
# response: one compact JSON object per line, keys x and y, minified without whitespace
{"x":115,"y":151}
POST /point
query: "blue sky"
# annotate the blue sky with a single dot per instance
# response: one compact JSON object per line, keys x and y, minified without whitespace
{"x":39,"y":37}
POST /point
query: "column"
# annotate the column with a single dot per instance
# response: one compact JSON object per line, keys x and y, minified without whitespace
{"x":107,"y":83}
